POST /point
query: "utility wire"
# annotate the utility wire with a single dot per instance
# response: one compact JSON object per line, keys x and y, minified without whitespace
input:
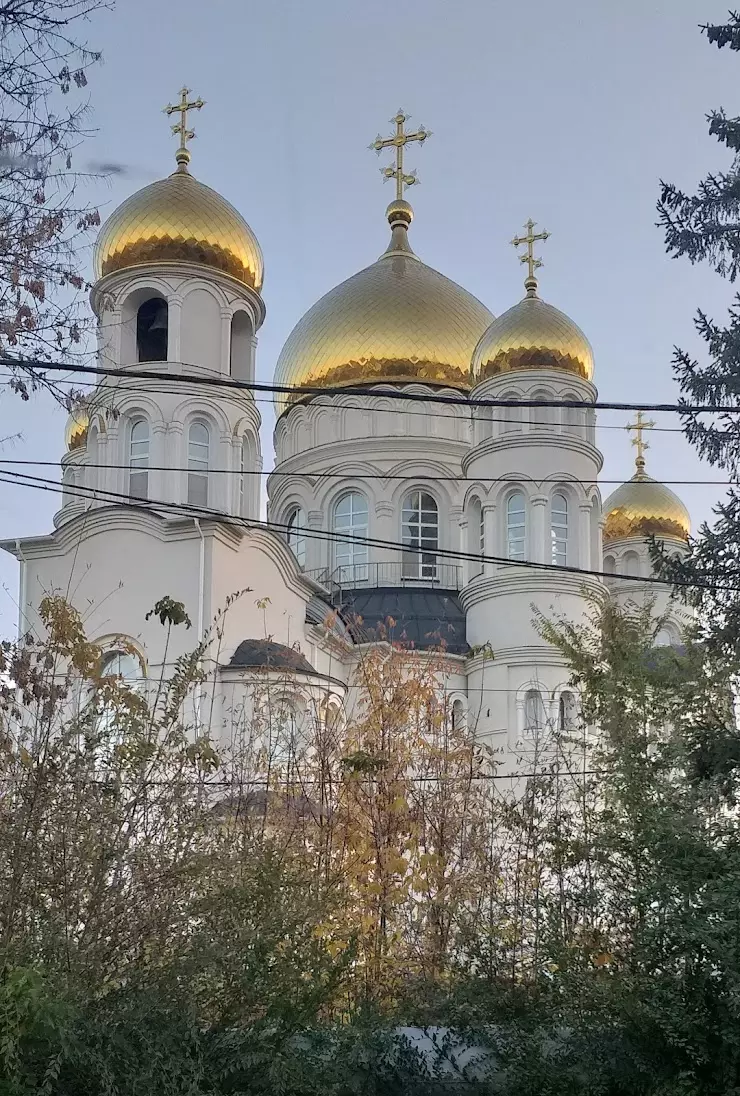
{"x":223,"y":517}
{"x":176,"y":388}
{"x":433,"y":477}
{"x":355,"y":390}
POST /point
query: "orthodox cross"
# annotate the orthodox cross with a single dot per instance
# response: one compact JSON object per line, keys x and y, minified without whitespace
{"x":399,"y":140}
{"x":639,"y":427}
{"x":183,"y":155}
{"x":530,"y":239}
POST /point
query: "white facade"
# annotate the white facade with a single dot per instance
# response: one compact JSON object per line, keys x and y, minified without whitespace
{"x":373,"y":502}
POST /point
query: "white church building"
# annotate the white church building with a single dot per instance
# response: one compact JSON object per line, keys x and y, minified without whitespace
{"x":453,"y":520}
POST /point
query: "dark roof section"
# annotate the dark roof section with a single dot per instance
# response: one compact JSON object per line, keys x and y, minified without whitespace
{"x":424,"y":618}
{"x":263,"y":654}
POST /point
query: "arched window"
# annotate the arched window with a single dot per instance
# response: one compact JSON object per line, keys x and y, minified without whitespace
{"x":244,"y":469}
{"x":630,"y":564}
{"x":420,"y":535}
{"x":665,"y":638}
{"x":199,"y":443}
{"x":240,"y":355}
{"x":138,"y":460}
{"x":350,"y":548}
{"x":610,"y":567}
{"x":567,"y":711}
{"x":127,"y":668}
{"x":559,"y":529}
{"x":476,"y":535}
{"x":458,"y":715}
{"x":295,"y":536}
{"x":516,"y":526}
{"x":151,"y":330}
{"x":511,"y":416}
{"x":534,"y":710}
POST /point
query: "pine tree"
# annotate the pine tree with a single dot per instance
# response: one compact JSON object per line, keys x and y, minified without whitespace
{"x":705,"y":227}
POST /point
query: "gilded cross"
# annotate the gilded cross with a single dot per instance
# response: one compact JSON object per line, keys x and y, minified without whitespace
{"x":183,"y":155}
{"x":639,"y":427}
{"x":530,"y":239}
{"x":399,"y":140}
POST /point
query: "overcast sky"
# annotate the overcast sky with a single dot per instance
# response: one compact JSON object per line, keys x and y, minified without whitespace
{"x":568,"y":111}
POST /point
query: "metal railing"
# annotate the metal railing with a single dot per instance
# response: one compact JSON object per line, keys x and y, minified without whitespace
{"x":411,"y":572}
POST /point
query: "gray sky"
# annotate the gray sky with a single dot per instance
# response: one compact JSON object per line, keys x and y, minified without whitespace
{"x":567,"y":111}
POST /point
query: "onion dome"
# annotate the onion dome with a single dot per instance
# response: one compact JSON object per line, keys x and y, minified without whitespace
{"x":178,"y":220}
{"x":642,"y":507}
{"x":533,"y":335}
{"x":396,"y":321}
{"x":75,"y":432}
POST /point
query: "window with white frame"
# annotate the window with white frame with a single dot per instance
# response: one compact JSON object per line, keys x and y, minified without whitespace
{"x":127,"y":669}
{"x":534,"y":711}
{"x":199,"y":444}
{"x":138,"y":459}
{"x":350,"y":524}
{"x":295,"y":535}
{"x":559,"y":529}
{"x":516,"y":526}
{"x":567,"y":711}
{"x":420,"y":535}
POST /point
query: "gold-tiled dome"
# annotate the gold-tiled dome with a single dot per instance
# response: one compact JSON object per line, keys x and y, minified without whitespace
{"x":533,"y":335}
{"x":75,"y":432}
{"x":178,"y":219}
{"x":395,"y":321}
{"x":643,"y":507}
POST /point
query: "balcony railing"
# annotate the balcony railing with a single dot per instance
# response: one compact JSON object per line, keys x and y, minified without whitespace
{"x":440,"y":576}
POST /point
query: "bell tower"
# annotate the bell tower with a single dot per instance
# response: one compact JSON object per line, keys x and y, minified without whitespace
{"x":177,"y":292}
{"x":532,"y":507}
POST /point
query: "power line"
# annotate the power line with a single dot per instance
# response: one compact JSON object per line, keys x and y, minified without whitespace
{"x":392,"y":393}
{"x":176,"y":388}
{"x":189,"y":510}
{"x":366,"y":475}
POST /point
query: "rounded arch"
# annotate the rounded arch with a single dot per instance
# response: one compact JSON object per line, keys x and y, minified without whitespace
{"x":542,"y":419}
{"x":630,"y":564}
{"x":420,"y":533}
{"x":350,"y":524}
{"x":200,"y":326}
{"x":145,"y":324}
{"x":197,"y":407}
{"x":510,"y":417}
{"x":240,"y":346}
{"x":610,"y":565}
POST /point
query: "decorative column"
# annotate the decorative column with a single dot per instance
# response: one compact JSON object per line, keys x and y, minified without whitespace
{"x":488,"y":510}
{"x":584,"y":538}
{"x":174,"y":326}
{"x":225,"y":357}
{"x":538,"y":539}
{"x":317,"y":548}
{"x":158,"y":485}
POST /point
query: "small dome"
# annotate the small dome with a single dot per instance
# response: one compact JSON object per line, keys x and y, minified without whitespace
{"x":178,"y":219}
{"x":75,"y":432}
{"x":643,"y":507}
{"x":533,"y":335}
{"x":396,"y":321}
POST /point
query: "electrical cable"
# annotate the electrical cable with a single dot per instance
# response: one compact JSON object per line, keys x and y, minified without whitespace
{"x":394,"y":393}
{"x":189,"y":510}
{"x":365,"y":475}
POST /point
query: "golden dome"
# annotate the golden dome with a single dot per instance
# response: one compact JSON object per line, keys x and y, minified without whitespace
{"x":178,"y":219}
{"x":643,"y":507}
{"x":396,"y":321}
{"x":533,"y":335}
{"x":75,"y":432}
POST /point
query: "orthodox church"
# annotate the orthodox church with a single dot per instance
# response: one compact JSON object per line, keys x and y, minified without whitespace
{"x":399,"y":507}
